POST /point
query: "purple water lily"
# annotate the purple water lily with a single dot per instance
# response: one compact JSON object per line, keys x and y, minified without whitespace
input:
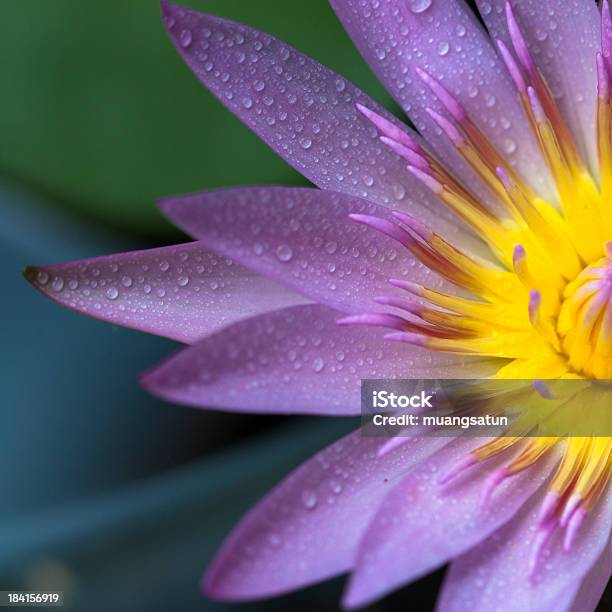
{"x":482,"y":244}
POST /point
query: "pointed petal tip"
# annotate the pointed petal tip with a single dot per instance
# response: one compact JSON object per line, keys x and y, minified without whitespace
{"x":167,"y":10}
{"x":29,"y":273}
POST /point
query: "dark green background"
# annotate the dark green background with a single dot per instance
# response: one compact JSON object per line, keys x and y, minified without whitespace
{"x":100,"y":114}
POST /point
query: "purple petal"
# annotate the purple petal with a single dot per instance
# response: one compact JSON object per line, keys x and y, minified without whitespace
{"x":563,"y":37}
{"x":304,"y":239}
{"x":304,"y":111}
{"x":307,"y":529}
{"x":481,"y":579}
{"x":422,"y":524}
{"x":594,"y":584}
{"x":296,"y":360}
{"x":443,"y":38}
{"x":182,"y":292}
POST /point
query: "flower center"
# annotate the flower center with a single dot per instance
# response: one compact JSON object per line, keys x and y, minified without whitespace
{"x":585,"y":319}
{"x":544,"y":306}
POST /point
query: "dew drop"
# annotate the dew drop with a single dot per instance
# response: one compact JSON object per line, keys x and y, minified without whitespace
{"x":185,"y":38}
{"x":274,"y":540}
{"x":42,"y":277}
{"x":399,"y":191}
{"x":509,"y":146}
{"x":284,"y":252}
{"x":318,"y":364}
{"x":247,"y":102}
{"x":335,"y":486}
{"x":112,"y":293}
{"x":331,"y":247}
{"x":460,"y":31}
{"x":490,"y":100}
{"x":309,"y":499}
{"x":419,"y":6}
{"x":306,"y":143}
{"x":126,"y":281}
{"x":163,"y":266}
{"x":443,"y":48}
{"x":57,"y":284}
{"x":182,"y":281}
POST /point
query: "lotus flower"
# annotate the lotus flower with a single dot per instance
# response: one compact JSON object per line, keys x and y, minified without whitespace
{"x":481,"y":244}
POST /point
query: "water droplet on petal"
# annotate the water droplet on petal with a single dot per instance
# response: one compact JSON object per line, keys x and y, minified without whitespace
{"x":443,"y":48}
{"x":112,"y":293}
{"x":309,"y":499}
{"x":509,"y":146}
{"x":274,"y":540}
{"x":185,"y":38}
{"x":419,"y":6}
{"x":284,"y":252}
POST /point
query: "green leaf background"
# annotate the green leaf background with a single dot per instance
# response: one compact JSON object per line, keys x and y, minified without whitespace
{"x":100,"y":115}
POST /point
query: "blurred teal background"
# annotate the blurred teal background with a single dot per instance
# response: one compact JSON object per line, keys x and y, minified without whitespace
{"x":108,"y":494}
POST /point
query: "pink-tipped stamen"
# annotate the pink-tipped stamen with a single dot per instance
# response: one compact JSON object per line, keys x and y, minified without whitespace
{"x":548,"y":507}
{"x":373,"y":319}
{"x":407,"y":338}
{"x":543,"y":390}
{"x":420,"y":229}
{"x":543,"y":535}
{"x":606,"y":30}
{"x":518,"y":256}
{"x":491,"y":486}
{"x":392,"y":443}
{"x":402,"y":303}
{"x":446,"y":98}
{"x":428,"y":180}
{"x":411,"y":156}
{"x":535,"y":301}
{"x":574,"y":502}
{"x":518,"y":41}
{"x":572,"y":529}
{"x":409,"y":286}
{"x":539,"y":113}
{"x":386,"y":227}
{"x":512,"y":66}
{"x":447,"y":127}
{"x":388,"y":129}
{"x":465,"y":464}
{"x":603,"y":79}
